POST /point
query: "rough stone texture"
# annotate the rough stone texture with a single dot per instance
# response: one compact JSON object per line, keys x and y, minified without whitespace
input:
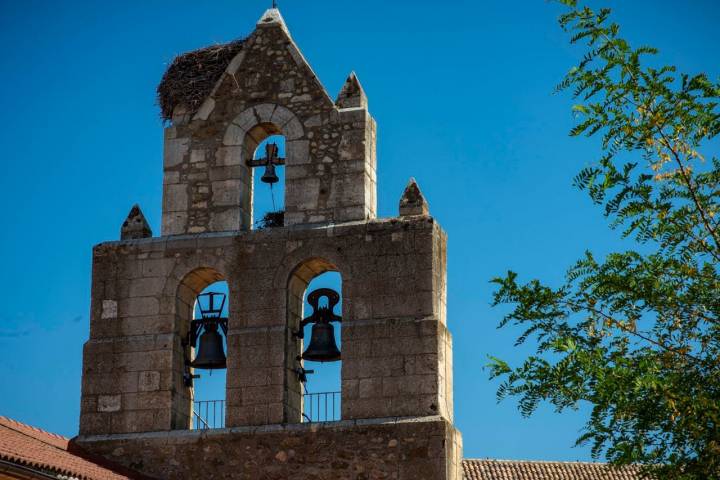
{"x":352,"y":94}
{"x":396,"y":346}
{"x":413,"y":201}
{"x":419,"y":449}
{"x":135,"y":226}
{"x":330,"y":165}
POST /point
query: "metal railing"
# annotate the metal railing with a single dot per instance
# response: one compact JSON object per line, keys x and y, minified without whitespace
{"x":208,"y":414}
{"x":321,"y":407}
{"x":318,"y":407}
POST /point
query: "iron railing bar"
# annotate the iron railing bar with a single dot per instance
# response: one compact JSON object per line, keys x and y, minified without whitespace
{"x":321,"y":407}
{"x":198,"y":419}
{"x":202,"y":417}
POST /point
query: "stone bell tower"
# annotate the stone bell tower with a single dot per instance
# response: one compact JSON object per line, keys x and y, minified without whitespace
{"x":397,"y":408}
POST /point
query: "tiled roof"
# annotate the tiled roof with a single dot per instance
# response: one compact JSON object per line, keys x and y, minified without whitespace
{"x":487,"y":469}
{"x":30,"y":447}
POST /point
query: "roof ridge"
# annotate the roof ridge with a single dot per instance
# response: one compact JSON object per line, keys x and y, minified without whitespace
{"x":508,"y":460}
{"x":9,"y":422}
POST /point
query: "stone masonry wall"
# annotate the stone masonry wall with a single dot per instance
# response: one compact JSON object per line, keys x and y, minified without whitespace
{"x":268,"y":89}
{"x":421,"y":449}
{"x":396,"y":347}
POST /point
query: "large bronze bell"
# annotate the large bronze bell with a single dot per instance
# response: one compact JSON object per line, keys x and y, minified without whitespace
{"x":211,"y":353}
{"x":322,"y":347}
{"x":269,"y":176}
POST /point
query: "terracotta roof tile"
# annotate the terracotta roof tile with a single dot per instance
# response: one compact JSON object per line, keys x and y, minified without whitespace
{"x":31,"y":447}
{"x":534,"y":470}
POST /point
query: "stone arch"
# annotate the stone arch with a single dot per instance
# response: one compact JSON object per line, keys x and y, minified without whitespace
{"x":315,"y":251}
{"x":265,"y":113}
{"x":192,"y":282}
{"x":253,"y":125}
{"x":296,"y":284}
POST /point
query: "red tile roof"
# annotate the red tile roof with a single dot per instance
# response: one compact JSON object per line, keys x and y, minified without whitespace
{"x":534,"y":470}
{"x":46,"y":452}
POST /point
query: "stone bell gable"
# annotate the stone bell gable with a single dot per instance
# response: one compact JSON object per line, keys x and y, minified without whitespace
{"x":396,"y":404}
{"x":258,"y":87}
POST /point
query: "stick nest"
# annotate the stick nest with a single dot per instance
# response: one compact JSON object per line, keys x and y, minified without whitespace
{"x":191,"y":77}
{"x":271,"y":220}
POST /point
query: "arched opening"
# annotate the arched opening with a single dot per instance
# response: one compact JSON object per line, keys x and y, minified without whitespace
{"x":316,"y":303}
{"x":209,"y":379}
{"x":202,"y":311}
{"x":266,"y":147}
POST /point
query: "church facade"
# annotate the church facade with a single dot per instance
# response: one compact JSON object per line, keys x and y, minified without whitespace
{"x":396,"y":418}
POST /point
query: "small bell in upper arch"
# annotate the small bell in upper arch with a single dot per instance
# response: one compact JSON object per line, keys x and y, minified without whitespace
{"x":269,"y":176}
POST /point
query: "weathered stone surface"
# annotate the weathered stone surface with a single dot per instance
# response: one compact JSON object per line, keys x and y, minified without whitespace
{"x":413,"y":201}
{"x":136,"y":405}
{"x":352,"y":94}
{"x":252,"y":103}
{"x":393,"y":300}
{"x":108,"y":403}
{"x":109,"y":309}
{"x":419,"y":449}
{"x":135,"y":225}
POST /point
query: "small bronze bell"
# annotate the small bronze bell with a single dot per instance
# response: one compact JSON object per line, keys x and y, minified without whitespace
{"x":211,"y":353}
{"x":269,"y":176}
{"x":322,"y":346}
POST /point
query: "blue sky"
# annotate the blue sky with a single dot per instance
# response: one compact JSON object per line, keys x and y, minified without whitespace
{"x":462,"y":92}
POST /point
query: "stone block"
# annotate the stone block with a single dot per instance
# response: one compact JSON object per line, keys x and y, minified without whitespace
{"x":229,"y":156}
{"x":109,"y":403}
{"x":205,"y":109}
{"x":298,"y":152}
{"x":109,"y":309}
{"x":175,"y":151}
{"x":293,"y":130}
{"x":143,"y":287}
{"x":228,"y":219}
{"x":197,"y":155}
{"x":149,"y":381}
{"x":138,"y":307}
{"x":175,"y":198}
{"x":234,"y":135}
{"x":281,"y":116}
{"x":226,"y":193}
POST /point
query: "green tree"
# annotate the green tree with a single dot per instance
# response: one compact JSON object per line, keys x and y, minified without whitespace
{"x":636,"y":335}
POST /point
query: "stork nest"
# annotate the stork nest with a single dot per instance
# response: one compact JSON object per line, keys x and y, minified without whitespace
{"x":191,"y":77}
{"x":271,"y":220}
